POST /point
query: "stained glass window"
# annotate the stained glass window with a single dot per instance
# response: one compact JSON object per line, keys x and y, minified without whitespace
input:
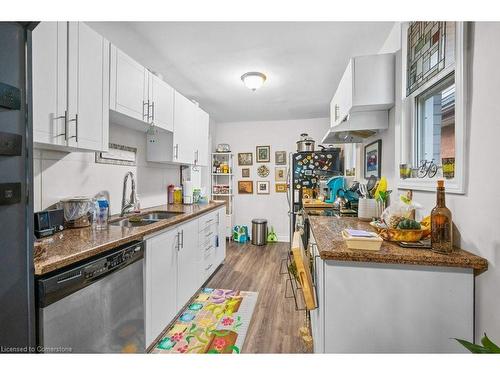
{"x":431,"y":49}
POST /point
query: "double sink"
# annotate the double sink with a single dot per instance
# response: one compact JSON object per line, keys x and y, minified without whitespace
{"x":144,"y":219}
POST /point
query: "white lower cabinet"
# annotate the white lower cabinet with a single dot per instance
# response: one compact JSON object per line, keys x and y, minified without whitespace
{"x":188,"y":263}
{"x":161,"y":282}
{"x":391,"y":308}
{"x":178,"y":262}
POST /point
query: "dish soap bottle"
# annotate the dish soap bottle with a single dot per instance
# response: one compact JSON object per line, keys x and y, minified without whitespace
{"x":441,"y":223}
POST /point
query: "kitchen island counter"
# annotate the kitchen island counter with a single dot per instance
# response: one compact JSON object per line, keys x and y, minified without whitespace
{"x":74,"y":245}
{"x":327,"y":231}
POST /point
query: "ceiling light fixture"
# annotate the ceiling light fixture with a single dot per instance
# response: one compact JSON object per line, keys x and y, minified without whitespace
{"x":253,"y":80}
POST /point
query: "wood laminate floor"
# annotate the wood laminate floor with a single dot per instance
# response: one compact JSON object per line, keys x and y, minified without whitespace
{"x":275,"y":323}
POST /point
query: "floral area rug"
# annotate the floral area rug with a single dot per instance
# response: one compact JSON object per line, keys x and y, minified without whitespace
{"x":215,"y":322}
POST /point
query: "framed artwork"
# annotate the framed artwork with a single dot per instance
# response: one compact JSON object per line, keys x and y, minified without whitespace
{"x":245,"y":187}
{"x":245,"y":158}
{"x":263,"y":154}
{"x":280,"y":188}
{"x":263,"y":171}
{"x":280,"y":157}
{"x":280,"y":174}
{"x":373,"y":159}
{"x":262,"y":187}
{"x":245,"y":172}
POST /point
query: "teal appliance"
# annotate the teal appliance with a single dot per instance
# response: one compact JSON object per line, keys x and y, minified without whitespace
{"x":333,"y":185}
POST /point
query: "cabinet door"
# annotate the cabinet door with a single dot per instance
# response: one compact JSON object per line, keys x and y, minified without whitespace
{"x":220,"y":253}
{"x":161,"y":283}
{"x":88,"y":88}
{"x":188,"y":263}
{"x":49,"y":64}
{"x":342,"y":101}
{"x":184,"y":118}
{"x":201,"y":132}
{"x":161,"y":97}
{"x":129,"y":86}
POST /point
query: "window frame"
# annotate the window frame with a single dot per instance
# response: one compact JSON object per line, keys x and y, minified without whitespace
{"x":407,"y":130}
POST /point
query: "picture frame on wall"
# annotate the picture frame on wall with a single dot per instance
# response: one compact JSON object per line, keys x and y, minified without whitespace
{"x":373,"y":159}
{"x":245,"y":187}
{"x":280,"y":157}
{"x":280,"y":187}
{"x":245,"y":172}
{"x":262,"y":187}
{"x":263,"y":154}
{"x":280,"y":174}
{"x":245,"y":158}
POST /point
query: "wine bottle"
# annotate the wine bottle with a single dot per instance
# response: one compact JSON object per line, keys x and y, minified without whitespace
{"x":441,"y":223}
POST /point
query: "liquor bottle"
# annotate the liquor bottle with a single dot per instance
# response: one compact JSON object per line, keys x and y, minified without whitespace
{"x":441,"y":223}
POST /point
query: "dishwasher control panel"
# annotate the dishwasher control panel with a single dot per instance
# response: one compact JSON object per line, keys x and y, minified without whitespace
{"x":67,"y":281}
{"x":112,"y":262}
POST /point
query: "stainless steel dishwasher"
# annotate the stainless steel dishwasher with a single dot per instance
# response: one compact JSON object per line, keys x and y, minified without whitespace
{"x":94,"y":307}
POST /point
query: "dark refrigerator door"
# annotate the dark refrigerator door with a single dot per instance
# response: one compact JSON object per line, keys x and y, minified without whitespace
{"x":16,"y":206}
{"x":308,"y":168}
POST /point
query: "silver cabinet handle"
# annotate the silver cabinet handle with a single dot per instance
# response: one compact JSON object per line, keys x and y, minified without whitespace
{"x":182,"y":236}
{"x":152,"y":116}
{"x":177,"y":151}
{"x":65,"y":117}
{"x":75,"y":120}
{"x":208,"y":235}
{"x":337,"y":109}
{"x":208,"y":248}
{"x":209,"y":266}
{"x":178,"y":241}
{"x":145,"y":110}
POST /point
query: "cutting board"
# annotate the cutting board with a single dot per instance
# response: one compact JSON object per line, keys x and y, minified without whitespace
{"x":303,"y":271}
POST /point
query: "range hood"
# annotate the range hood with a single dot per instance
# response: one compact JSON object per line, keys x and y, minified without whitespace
{"x":357,"y":126}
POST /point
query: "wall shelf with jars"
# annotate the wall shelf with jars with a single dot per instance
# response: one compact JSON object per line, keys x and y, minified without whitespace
{"x":222,"y":183}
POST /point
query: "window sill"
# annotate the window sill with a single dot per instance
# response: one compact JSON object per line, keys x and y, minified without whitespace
{"x":429,"y":184}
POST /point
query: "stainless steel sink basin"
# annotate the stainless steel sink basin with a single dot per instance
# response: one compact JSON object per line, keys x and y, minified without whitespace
{"x":145,"y":219}
{"x":160,"y":215}
{"x":131,"y":224}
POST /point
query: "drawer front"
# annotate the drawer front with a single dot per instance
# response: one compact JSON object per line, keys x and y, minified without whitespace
{"x":206,"y":234}
{"x":207,"y":220}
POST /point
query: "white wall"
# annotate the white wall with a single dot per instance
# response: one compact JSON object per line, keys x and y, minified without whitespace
{"x":60,"y":174}
{"x":281,"y":136}
{"x":476,"y":214}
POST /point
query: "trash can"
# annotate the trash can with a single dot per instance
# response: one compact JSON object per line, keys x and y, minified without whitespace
{"x":259,"y":232}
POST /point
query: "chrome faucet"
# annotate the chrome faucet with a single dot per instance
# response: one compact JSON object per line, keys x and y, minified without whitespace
{"x":130,"y":205}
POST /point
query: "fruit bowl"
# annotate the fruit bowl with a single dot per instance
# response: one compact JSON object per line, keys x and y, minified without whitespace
{"x":396,"y":235}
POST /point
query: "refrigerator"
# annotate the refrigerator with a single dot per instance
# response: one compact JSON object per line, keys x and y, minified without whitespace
{"x":306,"y":171}
{"x":17,"y":312}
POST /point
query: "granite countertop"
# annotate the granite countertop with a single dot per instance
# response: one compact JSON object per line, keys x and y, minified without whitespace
{"x":331,"y":246}
{"x":73,"y":245}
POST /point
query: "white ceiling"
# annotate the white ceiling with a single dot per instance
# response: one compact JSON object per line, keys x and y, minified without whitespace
{"x":204,"y":61}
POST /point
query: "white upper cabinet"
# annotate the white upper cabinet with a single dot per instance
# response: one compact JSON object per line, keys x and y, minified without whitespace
{"x":50,"y":53}
{"x":201,"y":137}
{"x":88,"y":88}
{"x":70,"y":87}
{"x":161,"y":103}
{"x":129,"y":86}
{"x":367,"y":85}
{"x":185,"y":117}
